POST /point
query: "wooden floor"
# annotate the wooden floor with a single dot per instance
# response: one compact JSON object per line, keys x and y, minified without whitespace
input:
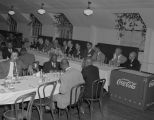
{"x":111,"y":111}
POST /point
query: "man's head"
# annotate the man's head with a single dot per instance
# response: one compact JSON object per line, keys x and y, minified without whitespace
{"x":23,"y":51}
{"x":87,"y":61}
{"x":47,"y":42}
{"x":14,"y":55}
{"x":64,"y":64}
{"x":132,"y":55}
{"x":10,"y":45}
{"x":89,"y":45}
{"x":53,"y":58}
{"x":118,"y":51}
{"x":77,"y":46}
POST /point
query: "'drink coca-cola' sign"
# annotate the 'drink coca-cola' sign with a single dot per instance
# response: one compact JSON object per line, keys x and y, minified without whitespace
{"x":126,"y":83}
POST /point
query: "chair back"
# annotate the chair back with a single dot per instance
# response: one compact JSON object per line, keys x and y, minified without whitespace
{"x":76,"y":93}
{"x":46,"y":90}
{"x":22,"y":100}
{"x":97,"y":88}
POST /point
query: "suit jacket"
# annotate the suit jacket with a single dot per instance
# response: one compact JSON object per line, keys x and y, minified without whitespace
{"x":69,"y":79}
{"x":134,"y":65}
{"x":5,"y":53}
{"x":77,"y":54}
{"x":99,"y":57}
{"x":5,"y":67}
{"x":27,"y":59}
{"x":89,"y":53}
{"x":118,"y":60}
{"x":47,"y":67}
{"x":90,"y":74}
{"x":69,"y":51}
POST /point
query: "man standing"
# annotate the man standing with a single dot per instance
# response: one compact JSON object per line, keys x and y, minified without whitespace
{"x":52,"y":64}
{"x":12,"y":66}
{"x":69,"y":79}
{"x":90,"y":73}
{"x":133,"y":62}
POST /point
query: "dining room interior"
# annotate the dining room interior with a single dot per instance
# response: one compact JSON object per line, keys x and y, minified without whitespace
{"x":67,"y":45}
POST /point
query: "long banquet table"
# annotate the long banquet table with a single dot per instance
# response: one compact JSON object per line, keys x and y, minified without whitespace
{"x":25,"y":85}
{"x":104,"y":70}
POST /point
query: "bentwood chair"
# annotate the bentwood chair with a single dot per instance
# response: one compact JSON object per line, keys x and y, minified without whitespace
{"x":21,"y":111}
{"x":45,"y":93}
{"x":97,"y":94}
{"x":76,"y":96}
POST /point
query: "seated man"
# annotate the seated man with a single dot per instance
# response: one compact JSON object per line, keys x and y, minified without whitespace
{"x":26,"y":57}
{"x":118,"y":59}
{"x":90,"y":73}
{"x":89,"y":52}
{"x":77,"y":51}
{"x":133,"y":62}
{"x":52,"y":64}
{"x":98,"y":55}
{"x":12,"y":66}
{"x":69,"y":79}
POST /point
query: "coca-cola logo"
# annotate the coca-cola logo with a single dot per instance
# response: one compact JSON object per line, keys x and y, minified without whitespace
{"x":126,"y":83}
{"x":151,"y":83}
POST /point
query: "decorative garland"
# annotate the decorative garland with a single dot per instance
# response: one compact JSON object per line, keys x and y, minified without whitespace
{"x":130,"y":22}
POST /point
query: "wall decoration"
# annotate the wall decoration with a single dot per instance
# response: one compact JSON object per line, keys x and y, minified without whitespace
{"x":131,"y":25}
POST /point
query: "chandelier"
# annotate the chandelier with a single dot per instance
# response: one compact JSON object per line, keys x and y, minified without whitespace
{"x":88,"y":11}
{"x":11,"y":11}
{"x":41,"y":10}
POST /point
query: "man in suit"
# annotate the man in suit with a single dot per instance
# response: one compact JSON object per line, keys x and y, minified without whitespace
{"x":12,"y":66}
{"x":69,"y":79}
{"x":90,"y":73}
{"x":133,"y":62}
{"x":52,"y":64}
{"x":118,"y":58}
{"x":6,"y":52}
{"x":27,"y":58}
{"x":70,"y":49}
{"x":89,"y":52}
{"x":98,"y":55}
{"x":77,"y":51}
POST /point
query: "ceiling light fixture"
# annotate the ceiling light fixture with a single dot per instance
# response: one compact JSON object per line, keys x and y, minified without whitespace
{"x":41,"y":10}
{"x":11,"y":11}
{"x":88,"y":11}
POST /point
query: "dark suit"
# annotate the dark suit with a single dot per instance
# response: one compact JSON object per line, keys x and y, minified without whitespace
{"x":77,"y":54}
{"x":133,"y":65}
{"x":27,"y":59}
{"x":88,"y":53}
{"x":90,"y":74}
{"x":5,"y":53}
{"x":48,"y":66}
{"x":5,"y":67}
{"x":69,"y":51}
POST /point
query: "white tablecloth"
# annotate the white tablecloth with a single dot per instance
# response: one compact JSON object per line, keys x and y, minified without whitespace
{"x":104,"y":70}
{"x":27,"y":84}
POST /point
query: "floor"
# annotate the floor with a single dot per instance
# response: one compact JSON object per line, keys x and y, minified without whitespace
{"x":111,"y":111}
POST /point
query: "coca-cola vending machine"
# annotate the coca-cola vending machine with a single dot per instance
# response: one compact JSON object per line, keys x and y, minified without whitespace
{"x":132,"y":88}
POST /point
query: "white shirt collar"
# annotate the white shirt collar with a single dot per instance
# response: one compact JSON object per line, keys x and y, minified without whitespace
{"x":67,"y":68}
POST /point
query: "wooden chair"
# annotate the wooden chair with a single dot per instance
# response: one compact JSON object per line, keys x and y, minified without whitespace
{"x":21,"y":112}
{"x":44,"y":99}
{"x":76,"y":96}
{"x":97,"y":93}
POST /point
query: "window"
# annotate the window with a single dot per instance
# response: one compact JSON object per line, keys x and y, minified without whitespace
{"x":36,"y":26}
{"x":12,"y":24}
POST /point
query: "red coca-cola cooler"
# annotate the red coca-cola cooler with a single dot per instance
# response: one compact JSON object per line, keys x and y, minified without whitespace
{"x":132,"y":88}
